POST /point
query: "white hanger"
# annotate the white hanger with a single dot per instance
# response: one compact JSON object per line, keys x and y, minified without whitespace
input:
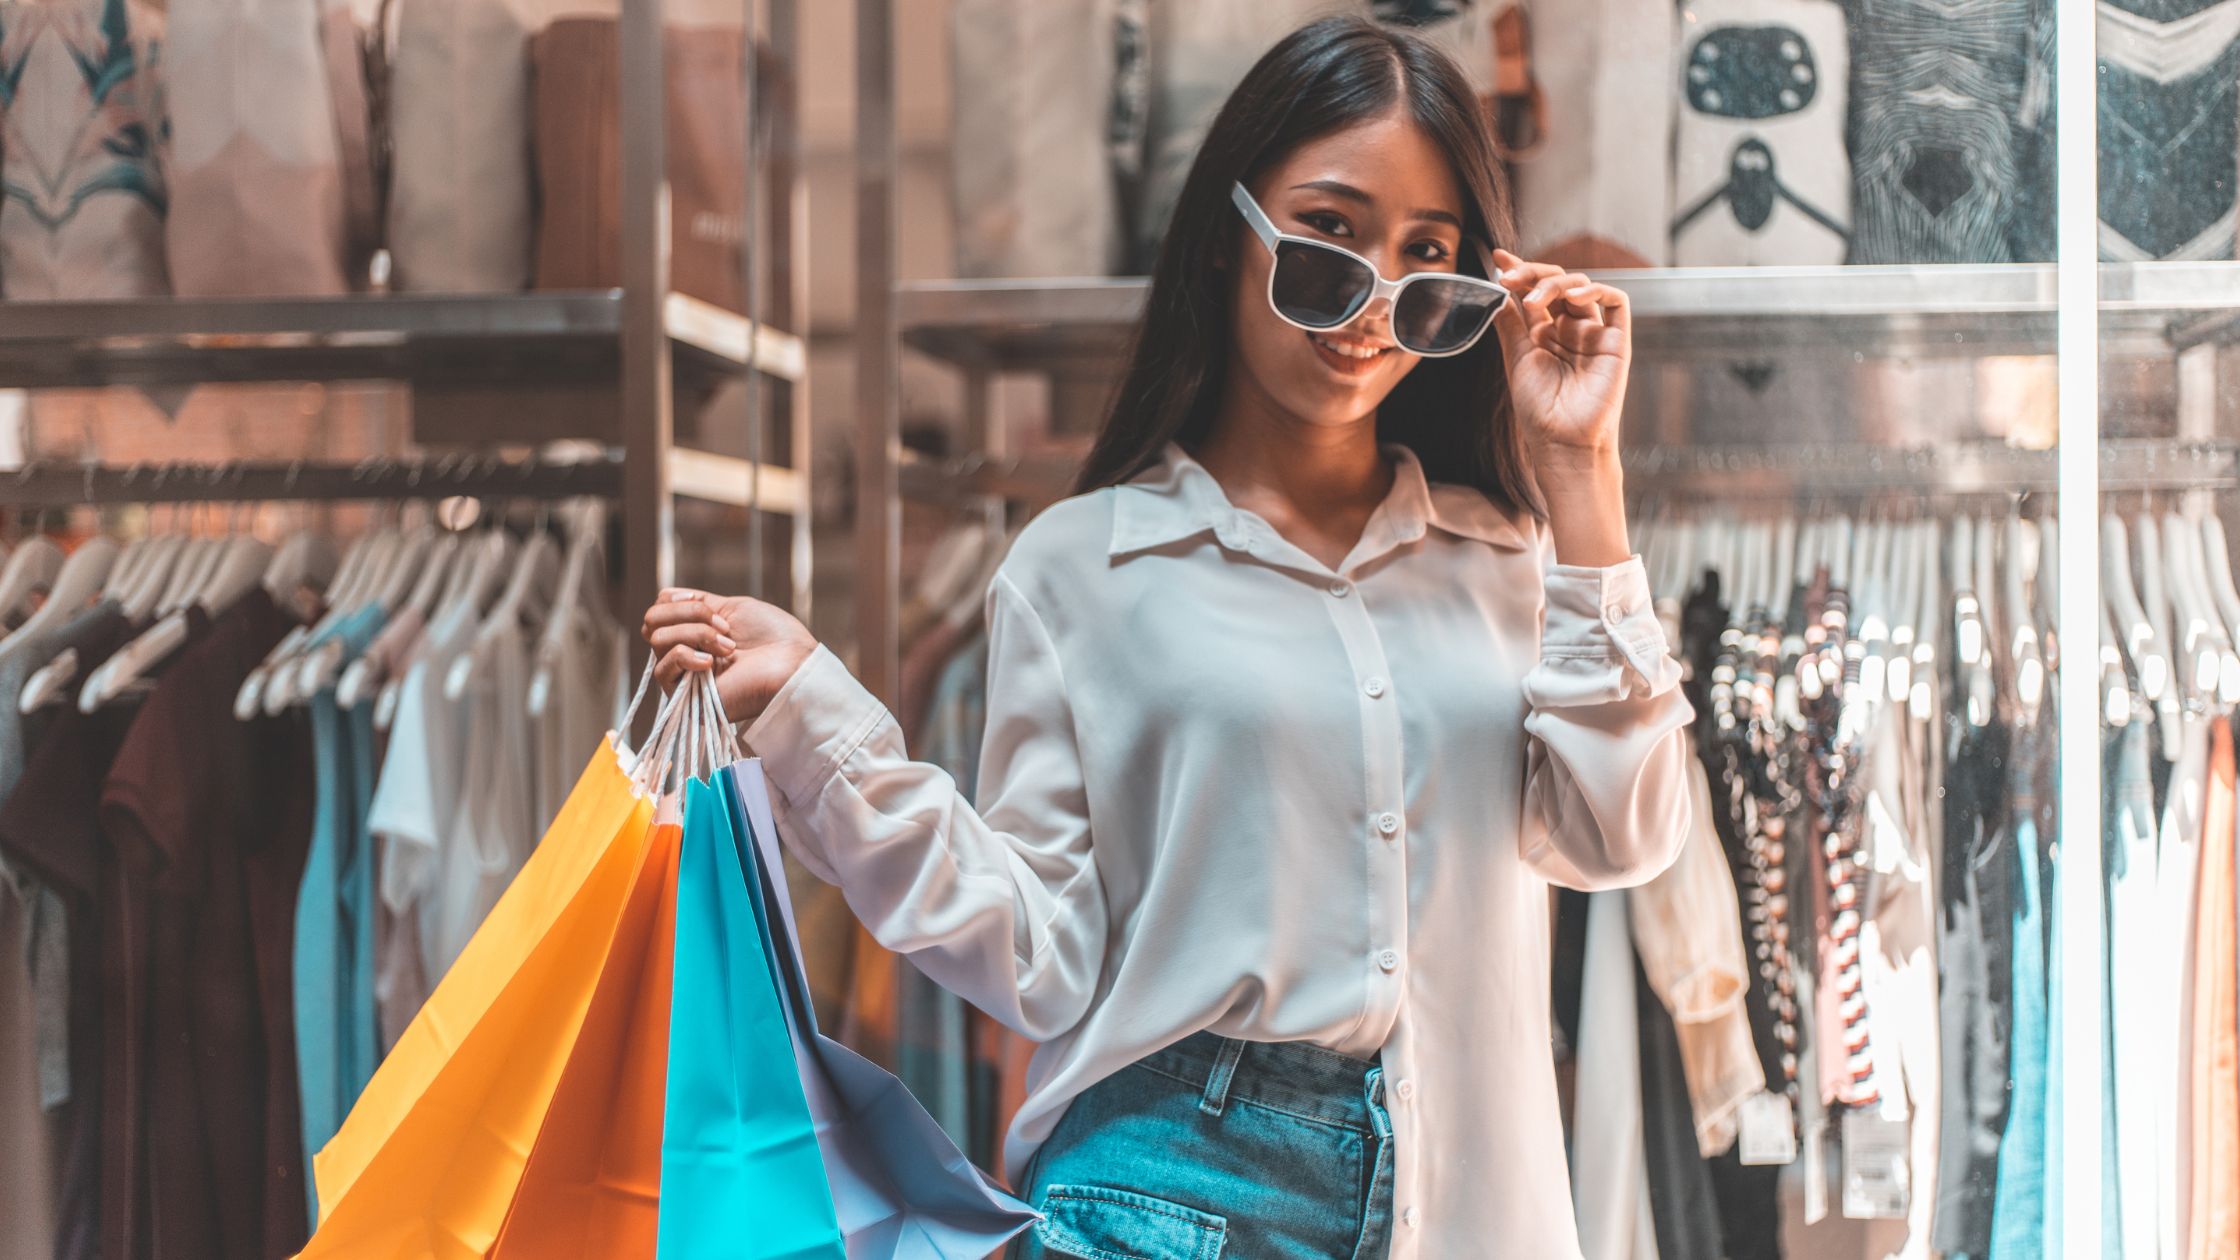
{"x":363,"y":678}
{"x":955,"y":558}
{"x":2186,"y":637}
{"x":234,"y":568}
{"x":2022,"y":632}
{"x":2134,"y":632}
{"x":354,"y":589}
{"x":2217,"y":559}
{"x":34,"y":563}
{"x":2154,"y":572}
{"x":77,"y":584}
{"x":2210,"y":646}
{"x":120,"y":571}
{"x":535,"y":579}
{"x":971,"y":600}
{"x":578,"y":596}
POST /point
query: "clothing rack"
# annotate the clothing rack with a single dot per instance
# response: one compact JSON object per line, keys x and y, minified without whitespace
{"x":49,"y":485}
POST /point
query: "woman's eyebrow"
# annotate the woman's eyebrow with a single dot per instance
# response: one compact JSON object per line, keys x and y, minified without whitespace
{"x":1339,"y":188}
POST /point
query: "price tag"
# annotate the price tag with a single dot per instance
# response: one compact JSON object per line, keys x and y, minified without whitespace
{"x":1876,"y":1175}
{"x":1769,"y":1129}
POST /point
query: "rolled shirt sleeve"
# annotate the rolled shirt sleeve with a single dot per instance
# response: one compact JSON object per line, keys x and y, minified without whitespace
{"x":1001,"y":906}
{"x":1606,"y":800}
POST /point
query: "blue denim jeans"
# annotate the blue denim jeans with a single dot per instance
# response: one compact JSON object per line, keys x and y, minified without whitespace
{"x":1215,"y":1147}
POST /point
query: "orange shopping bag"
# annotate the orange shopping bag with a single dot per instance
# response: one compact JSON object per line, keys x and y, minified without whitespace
{"x":593,"y":1184}
{"x":429,"y":1159}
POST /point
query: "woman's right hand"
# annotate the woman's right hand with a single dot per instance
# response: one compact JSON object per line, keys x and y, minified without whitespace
{"x":754,"y":647}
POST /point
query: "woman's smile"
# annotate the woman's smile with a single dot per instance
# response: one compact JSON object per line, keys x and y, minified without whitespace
{"x":1349,"y":356}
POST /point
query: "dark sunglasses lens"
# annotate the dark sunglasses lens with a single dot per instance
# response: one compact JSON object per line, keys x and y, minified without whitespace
{"x":1319,"y":287}
{"x":1434,"y":316}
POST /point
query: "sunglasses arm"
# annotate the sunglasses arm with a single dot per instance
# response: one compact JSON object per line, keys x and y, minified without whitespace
{"x":1262,"y":226}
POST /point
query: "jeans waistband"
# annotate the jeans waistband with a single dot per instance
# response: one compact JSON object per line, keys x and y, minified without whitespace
{"x":1294,"y":1077}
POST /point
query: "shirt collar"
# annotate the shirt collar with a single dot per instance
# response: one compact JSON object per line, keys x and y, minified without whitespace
{"x":1177,"y":498}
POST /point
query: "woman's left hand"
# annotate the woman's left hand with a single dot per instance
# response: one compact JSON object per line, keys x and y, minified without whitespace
{"x":1567,"y":340}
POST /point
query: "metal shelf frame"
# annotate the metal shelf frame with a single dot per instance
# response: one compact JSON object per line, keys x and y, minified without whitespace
{"x":639,"y":343}
{"x":1680,"y":312}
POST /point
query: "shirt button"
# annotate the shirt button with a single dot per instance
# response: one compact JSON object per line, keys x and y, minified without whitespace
{"x":1341,"y":589}
{"x":1408,"y":1217}
{"x":1406,"y":1090}
{"x":1389,"y":960}
{"x":1375,"y":687}
{"x":1615,"y":612}
{"x":1388,"y":822}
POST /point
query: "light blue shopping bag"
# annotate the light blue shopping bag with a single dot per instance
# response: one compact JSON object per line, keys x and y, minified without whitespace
{"x":900,"y":1187}
{"x":742,"y":1170}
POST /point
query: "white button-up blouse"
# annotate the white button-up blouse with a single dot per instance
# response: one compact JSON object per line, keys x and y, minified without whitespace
{"x":1225,"y":787}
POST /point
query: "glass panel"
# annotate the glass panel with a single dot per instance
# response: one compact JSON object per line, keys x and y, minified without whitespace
{"x":2169,"y":129}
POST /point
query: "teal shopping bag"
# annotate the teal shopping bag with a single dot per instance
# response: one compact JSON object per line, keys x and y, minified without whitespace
{"x":900,"y":1188}
{"x":741,"y":1172}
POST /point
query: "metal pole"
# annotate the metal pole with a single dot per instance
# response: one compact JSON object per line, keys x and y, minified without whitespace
{"x":753,"y":171}
{"x":878,"y":425}
{"x":2079,"y":946}
{"x":647,"y":422}
{"x":789,"y":274}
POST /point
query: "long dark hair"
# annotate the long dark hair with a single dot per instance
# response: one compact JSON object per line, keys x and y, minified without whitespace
{"x":1333,"y":74}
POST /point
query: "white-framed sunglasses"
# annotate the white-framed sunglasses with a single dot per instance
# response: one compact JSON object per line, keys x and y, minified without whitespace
{"x":1317,"y":286}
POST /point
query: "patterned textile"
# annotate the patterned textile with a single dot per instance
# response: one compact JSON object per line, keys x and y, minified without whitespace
{"x":85,"y":128}
{"x":1937,"y":89}
{"x":2169,"y":128}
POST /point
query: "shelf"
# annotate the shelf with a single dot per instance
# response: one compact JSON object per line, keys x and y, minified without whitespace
{"x":1680,"y":312}
{"x":735,"y":482}
{"x":542,"y":338}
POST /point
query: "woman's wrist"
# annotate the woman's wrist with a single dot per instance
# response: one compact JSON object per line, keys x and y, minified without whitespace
{"x":1584,"y":490}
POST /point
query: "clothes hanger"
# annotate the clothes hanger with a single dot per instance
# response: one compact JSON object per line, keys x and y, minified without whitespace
{"x":2022,"y":641}
{"x":297,"y":678}
{"x":34,"y":563}
{"x":2210,"y":644}
{"x":2224,"y":596}
{"x":2151,"y":558}
{"x":2186,"y":638}
{"x":577,"y":598}
{"x":535,"y":579}
{"x":364,"y":677}
{"x":1970,"y":636}
{"x":233,"y":569}
{"x":76,"y":585}
{"x":2116,"y":702}
{"x":1930,"y":626}
{"x":2134,"y":633}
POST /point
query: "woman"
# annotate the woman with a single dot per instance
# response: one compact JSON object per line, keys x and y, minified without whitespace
{"x":1280,"y":756}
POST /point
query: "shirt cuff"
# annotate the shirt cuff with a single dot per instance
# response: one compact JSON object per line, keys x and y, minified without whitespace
{"x":1606,"y":614}
{"x":815,"y":722}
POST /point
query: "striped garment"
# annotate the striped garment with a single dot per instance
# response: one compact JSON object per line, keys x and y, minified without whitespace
{"x":2169,"y":128}
{"x":1938,"y":89}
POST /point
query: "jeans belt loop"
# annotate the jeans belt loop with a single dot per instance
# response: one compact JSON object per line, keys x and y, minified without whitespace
{"x":1224,"y":1071}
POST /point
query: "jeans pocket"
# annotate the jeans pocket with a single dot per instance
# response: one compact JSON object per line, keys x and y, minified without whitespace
{"x":1094,"y":1223}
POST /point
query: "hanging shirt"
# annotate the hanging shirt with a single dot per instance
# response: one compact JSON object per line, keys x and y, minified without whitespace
{"x":218,"y":812}
{"x":335,"y":1012}
{"x":48,"y":830}
{"x":1226,"y":787}
{"x":417,"y":799}
{"x":1687,"y":927}
{"x":496,"y":824}
{"x":1610,"y":1169}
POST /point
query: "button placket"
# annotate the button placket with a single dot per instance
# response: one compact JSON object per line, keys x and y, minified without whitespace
{"x":1385,"y":891}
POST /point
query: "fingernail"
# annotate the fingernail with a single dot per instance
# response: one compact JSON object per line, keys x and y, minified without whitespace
{"x":719,"y":625}
{"x":727,"y":645}
{"x":1508,"y":275}
{"x":1577,"y":291}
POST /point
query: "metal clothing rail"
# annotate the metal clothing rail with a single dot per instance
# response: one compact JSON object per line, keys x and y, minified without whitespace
{"x":51,"y":485}
{"x":2126,"y":465}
